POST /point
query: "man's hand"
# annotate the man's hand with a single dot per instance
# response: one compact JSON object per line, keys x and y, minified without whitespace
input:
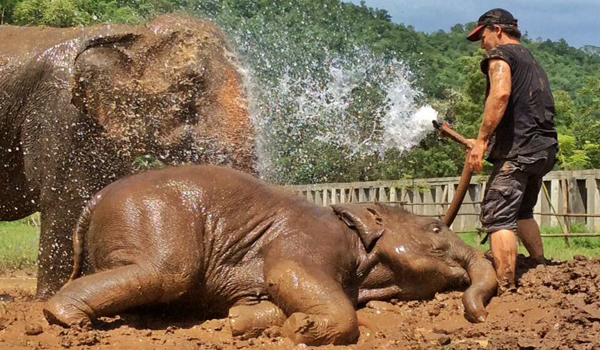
{"x":476,"y":155}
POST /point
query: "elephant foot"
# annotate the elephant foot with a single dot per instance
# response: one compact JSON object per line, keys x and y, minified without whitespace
{"x":299,"y":327}
{"x":250,"y":321}
{"x":317,"y":330}
{"x":44,"y":292}
{"x":66,"y":313}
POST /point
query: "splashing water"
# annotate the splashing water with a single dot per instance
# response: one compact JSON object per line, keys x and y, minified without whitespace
{"x":325,"y":107}
{"x":360,"y":105}
{"x":397,"y":123}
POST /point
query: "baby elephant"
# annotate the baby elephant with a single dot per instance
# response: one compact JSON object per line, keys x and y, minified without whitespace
{"x":221,"y":241}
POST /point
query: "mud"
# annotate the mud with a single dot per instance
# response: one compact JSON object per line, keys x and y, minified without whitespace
{"x":555,"y":307}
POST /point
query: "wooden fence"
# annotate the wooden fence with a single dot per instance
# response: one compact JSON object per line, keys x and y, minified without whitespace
{"x":566,"y":197}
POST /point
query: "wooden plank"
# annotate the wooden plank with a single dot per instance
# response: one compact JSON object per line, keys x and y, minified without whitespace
{"x":362,"y":194}
{"x":334,"y":196}
{"x":393,"y":194}
{"x":451,"y":189}
{"x":439,"y":198}
{"x":318,"y":197}
{"x":593,"y":202}
{"x":538,"y":208}
{"x":555,"y":194}
{"x":382,"y":194}
{"x":429,"y":201}
{"x":565,"y":207}
{"x":575,"y":197}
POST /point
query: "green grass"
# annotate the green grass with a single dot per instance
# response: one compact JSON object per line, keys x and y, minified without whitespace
{"x":18,"y":245}
{"x":554,"y":247}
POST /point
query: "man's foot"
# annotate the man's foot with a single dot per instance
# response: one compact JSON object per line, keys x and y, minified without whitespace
{"x":531,"y":262}
{"x":506,"y":278}
{"x":537,"y":261}
{"x":506,"y":284}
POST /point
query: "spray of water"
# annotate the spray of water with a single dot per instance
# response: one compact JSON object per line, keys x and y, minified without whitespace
{"x":324,"y":106}
{"x":359,"y":105}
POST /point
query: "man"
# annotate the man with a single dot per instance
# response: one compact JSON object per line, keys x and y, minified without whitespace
{"x":518,"y":131}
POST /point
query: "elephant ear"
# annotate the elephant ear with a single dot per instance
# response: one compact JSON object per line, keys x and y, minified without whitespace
{"x":365,"y":218}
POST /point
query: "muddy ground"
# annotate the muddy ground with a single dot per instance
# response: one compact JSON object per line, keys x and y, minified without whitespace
{"x":556,"y":307}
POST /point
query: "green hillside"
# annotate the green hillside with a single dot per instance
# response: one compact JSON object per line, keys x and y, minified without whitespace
{"x":300,"y":41}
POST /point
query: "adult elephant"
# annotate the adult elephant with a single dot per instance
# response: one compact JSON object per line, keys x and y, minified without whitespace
{"x":78,"y":106}
{"x":216,"y":241}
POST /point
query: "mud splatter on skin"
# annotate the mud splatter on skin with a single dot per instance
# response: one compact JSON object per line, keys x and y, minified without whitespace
{"x":556,"y":306}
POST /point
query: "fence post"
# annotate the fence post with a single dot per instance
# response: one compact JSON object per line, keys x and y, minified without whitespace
{"x":450,"y":195}
{"x":440,"y":192}
{"x":567,"y":221}
{"x":593,"y":202}
{"x":393,"y":194}
{"x":554,"y":199}
{"x":382,"y":195}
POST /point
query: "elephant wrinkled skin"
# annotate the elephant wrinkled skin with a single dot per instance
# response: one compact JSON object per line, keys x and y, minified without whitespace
{"x":78,"y":106}
{"x":223,"y":241}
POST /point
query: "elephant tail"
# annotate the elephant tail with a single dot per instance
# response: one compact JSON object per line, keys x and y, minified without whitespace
{"x":81,"y":228}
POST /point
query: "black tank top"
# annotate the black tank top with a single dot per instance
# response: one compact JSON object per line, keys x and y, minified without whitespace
{"x":528,"y":122}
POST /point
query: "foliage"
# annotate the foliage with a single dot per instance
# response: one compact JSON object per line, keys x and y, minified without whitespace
{"x":301,"y":40}
{"x":571,"y":158}
{"x":147,"y":162}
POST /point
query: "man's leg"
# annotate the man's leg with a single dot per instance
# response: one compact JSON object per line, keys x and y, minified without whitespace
{"x":504,"y":251}
{"x":529,"y":232}
{"x":527,"y":228}
{"x":499,"y":209}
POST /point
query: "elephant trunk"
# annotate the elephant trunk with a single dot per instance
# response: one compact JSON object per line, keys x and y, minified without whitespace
{"x":483,"y":285}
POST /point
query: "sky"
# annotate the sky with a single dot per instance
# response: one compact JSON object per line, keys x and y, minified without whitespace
{"x":576,"y":21}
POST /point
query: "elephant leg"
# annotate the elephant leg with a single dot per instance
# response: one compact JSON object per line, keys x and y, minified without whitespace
{"x":249,"y":321}
{"x":320,"y":312}
{"x":105,"y":293}
{"x":55,"y":253}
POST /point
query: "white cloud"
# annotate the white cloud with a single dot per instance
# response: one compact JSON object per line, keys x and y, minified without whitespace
{"x":575,"y":20}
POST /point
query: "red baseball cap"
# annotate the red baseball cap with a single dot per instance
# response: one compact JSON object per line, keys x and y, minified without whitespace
{"x":493,"y":16}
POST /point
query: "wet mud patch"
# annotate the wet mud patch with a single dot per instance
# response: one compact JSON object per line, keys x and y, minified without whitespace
{"x":555,"y":307}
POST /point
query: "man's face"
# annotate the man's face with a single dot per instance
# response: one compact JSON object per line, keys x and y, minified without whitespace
{"x":489,"y":38}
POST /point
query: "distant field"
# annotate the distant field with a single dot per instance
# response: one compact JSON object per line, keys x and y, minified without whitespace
{"x":19,"y":242}
{"x":18,"y":245}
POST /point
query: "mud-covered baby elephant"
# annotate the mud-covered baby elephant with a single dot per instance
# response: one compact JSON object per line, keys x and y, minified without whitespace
{"x":221,"y":241}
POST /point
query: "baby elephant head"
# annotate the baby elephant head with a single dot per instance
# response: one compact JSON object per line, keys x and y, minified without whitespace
{"x":420,"y":256}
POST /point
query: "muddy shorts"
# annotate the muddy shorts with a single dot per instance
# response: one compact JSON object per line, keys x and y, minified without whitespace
{"x":512,"y":189}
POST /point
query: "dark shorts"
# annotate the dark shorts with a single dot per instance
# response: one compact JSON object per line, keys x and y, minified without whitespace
{"x":513,"y":188}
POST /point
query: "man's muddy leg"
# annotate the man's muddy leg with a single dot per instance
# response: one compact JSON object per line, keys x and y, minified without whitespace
{"x":529,"y":232}
{"x":504,"y":251}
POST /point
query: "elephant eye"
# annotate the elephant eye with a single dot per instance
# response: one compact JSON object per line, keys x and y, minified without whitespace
{"x":436,"y":230}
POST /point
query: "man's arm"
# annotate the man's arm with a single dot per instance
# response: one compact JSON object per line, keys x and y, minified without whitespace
{"x":500,"y":88}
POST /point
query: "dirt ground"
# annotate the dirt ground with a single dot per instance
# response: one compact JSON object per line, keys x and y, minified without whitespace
{"x":555,"y":307}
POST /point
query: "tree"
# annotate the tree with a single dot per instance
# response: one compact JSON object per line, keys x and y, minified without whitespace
{"x":565,"y":111}
{"x":6,"y":10}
